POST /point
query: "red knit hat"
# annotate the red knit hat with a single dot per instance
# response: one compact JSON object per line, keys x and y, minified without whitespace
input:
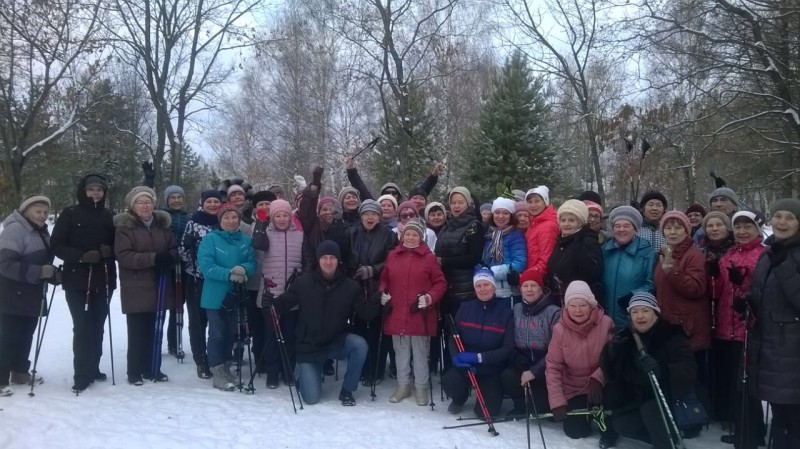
{"x":677,"y":215}
{"x":532,"y":275}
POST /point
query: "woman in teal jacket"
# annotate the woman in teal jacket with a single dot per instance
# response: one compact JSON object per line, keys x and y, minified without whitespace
{"x":629,"y":261}
{"x":226,"y":259}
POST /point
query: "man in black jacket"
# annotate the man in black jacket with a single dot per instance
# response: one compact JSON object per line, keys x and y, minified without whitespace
{"x":327,"y":299}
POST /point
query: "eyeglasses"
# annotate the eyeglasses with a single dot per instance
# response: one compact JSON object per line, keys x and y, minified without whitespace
{"x":407,"y":216}
{"x":143,"y":203}
{"x":391,"y":192}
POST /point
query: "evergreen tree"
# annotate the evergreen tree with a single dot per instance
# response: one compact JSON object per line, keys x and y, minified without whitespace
{"x":512,"y":148}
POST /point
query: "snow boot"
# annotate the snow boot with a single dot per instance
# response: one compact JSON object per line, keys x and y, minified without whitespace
{"x":347,"y":398}
{"x":455,"y":407}
{"x":273,"y":381}
{"x":607,"y":440}
{"x":18,"y":378}
{"x":403,"y":391}
{"x":159,"y":377}
{"x":80,"y":388}
{"x":135,"y":380}
{"x":6,"y":390}
{"x":203,"y":372}
{"x":421,"y":394}
{"x":221,"y":381}
{"x":229,"y":374}
{"x":518,"y":410}
{"x":100,"y":377}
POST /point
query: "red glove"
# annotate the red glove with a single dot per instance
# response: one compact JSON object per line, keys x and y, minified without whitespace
{"x":559,"y":413}
{"x":595,"y":392}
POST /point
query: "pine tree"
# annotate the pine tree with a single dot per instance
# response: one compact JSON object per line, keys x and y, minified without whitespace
{"x":512,"y":148}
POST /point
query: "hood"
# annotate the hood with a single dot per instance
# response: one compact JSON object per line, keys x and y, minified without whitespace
{"x":17,"y":217}
{"x":391,"y":185}
{"x":83,"y":200}
{"x":161,"y":219}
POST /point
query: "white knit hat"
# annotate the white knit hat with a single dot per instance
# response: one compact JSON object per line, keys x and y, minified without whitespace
{"x":542,"y":191}
{"x":388,"y":197}
{"x":504,"y":203}
{"x":576,"y":208}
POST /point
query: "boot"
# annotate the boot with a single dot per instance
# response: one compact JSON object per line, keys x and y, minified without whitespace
{"x":403,"y":391}
{"x":230,"y":377}
{"x":18,"y":378}
{"x":347,"y":398}
{"x":273,"y":381}
{"x":203,"y":372}
{"x":518,"y":410}
{"x":221,"y":381}
{"x":5,"y":390}
{"x":421,"y":394}
{"x":456,"y":406}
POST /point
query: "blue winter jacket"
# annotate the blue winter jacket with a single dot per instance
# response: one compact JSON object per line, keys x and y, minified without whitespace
{"x":220,"y":251}
{"x":515,"y":257}
{"x":488,"y":329}
{"x":627,"y":269}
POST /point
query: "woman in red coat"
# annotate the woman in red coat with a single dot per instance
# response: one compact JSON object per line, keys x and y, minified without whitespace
{"x":412,"y":282}
{"x":542,"y":232}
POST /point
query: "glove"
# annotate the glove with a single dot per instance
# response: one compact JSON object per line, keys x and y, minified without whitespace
{"x":91,"y":257}
{"x":149,"y":172}
{"x":500,"y":272}
{"x":385,"y":298}
{"x":164,"y":259}
{"x":735,"y":274}
{"x":665,"y":258}
{"x":712,"y":268}
{"x":624,"y":301}
{"x":106,"y":252}
{"x":56,"y":279}
{"x":316,"y":176}
{"x":424,"y":301}
{"x":363,"y":273}
{"x":649,"y":364}
{"x":512,"y":278}
{"x":527,"y":376}
{"x":237,"y":278}
{"x":742,"y":304}
{"x":48,"y":272}
{"x":559,"y":413}
{"x":465,"y":359}
{"x":595,"y":392}
{"x":261,"y":214}
{"x":300,"y":182}
{"x":265,"y":300}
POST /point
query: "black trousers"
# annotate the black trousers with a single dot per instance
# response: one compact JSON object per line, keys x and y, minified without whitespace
{"x":643,"y":424}
{"x":198,"y":321}
{"x":87,"y":333}
{"x":512,"y":388}
{"x":273,"y":365}
{"x":786,"y":426}
{"x":144,"y":354}
{"x":16,"y":339}
{"x":727,"y":395}
{"x":172,"y":322}
{"x":370,"y":331}
{"x":456,"y":385}
{"x":256,"y":324}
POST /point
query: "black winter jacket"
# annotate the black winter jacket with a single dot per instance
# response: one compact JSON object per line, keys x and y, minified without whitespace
{"x":774,"y":367}
{"x":81,"y":228}
{"x":370,"y":248}
{"x":325,"y":306}
{"x":459,"y":247}
{"x":315,"y":230}
{"x":576,"y":257}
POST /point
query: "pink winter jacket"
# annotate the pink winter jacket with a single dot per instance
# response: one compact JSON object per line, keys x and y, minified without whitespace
{"x":284,"y":255}
{"x":541,"y":238}
{"x":573,"y":356}
{"x":729,"y":325}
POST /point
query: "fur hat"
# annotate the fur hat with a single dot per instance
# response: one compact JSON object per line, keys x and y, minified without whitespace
{"x":579,"y":290}
{"x":345,"y":191}
{"x":431,"y":206}
{"x":725,"y":193}
{"x":227,"y":207}
{"x":483,"y":274}
{"x":503,"y":203}
{"x":277,"y":190}
{"x":415,"y":224}
{"x":788,"y":204}
{"x":643,"y":299}
{"x":328,"y":248}
{"x":463,"y":191}
{"x":542,"y":191}
{"x":653,"y":195}
{"x":390,"y":198}
{"x":576,"y":208}
{"x":33,"y":199}
{"x":753,"y":215}
{"x":138,"y":191}
{"x":370,"y":206}
{"x":717,"y":214}
{"x":172,"y":190}
{"x":696,"y":207}
{"x":280,"y":206}
{"x":532,"y":275}
{"x":263,"y":195}
{"x":676,"y":215}
{"x":628,"y":213}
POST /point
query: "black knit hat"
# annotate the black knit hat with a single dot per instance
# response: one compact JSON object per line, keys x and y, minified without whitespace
{"x":590,"y":195}
{"x":653,"y":195}
{"x":328,"y":248}
{"x":95,"y":180}
{"x":211,"y":193}
{"x":264,"y":195}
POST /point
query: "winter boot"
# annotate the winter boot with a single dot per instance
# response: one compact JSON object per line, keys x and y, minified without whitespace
{"x":607,"y":440}
{"x":421,"y":394}
{"x":159,"y":377}
{"x":135,"y":380}
{"x":273,"y":381}
{"x":403,"y":391}
{"x":5,"y":390}
{"x":100,"y":377}
{"x":18,"y":378}
{"x":221,"y":381}
{"x":347,"y":398}
{"x":203,"y":372}
{"x":328,"y":369}
{"x":230,"y":377}
{"x":456,"y":406}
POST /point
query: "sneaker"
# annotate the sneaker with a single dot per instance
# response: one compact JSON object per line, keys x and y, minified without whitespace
{"x":403,"y":391}
{"x":421,"y":395}
{"x":220,"y":379}
{"x":273,"y":381}
{"x":347,"y":398}
{"x":100,"y":377}
{"x":328,"y":369}
{"x":203,"y":372}
{"x":135,"y":380}
{"x":6,"y":390}
{"x":455,"y":407}
{"x":18,"y":378}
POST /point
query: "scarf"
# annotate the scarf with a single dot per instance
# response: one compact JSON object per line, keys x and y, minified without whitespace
{"x":496,"y":246}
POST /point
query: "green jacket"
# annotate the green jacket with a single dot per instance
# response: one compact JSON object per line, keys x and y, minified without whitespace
{"x":220,"y":251}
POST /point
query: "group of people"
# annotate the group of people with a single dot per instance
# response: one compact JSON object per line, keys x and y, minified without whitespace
{"x":568,"y":307}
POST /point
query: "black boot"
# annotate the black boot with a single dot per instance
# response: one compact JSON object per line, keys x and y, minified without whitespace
{"x":203,"y":372}
{"x":347,"y":398}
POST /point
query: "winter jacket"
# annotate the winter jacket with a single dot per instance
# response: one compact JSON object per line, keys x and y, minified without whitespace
{"x":573,"y":356}
{"x":180,"y":218}
{"x":24,"y":248}
{"x":370,"y":248}
{"x":407,"y":273}
{"x":136,"y":247}
{"x":681,"y":294}
{"x":429,"y":239}
{"x":459,"y":247}
{"x":743,"y":258}
{"x":515,"y":258}
{"x":774,"y":367}
{"x":627,"y":269}
{"x":576,"y":257}
{"x":653,"y":235}
{"x":627,"y":386}
{"x":220,"y":251}
{"x":351,"y":219}
{"x":533,"y":329}
{"x":541,"y":239}
{"x":315,"y":230}
{"x":486,"y":327}
{"x":283,"y":257}
{"x":325,"y":308}
{"x":197,"y":228}
{"x":84,"y":227}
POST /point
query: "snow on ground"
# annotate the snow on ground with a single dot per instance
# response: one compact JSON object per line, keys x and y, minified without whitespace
{"x":188,"y":412}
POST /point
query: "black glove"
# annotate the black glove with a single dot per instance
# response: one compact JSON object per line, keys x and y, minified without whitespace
{"x":266,"y":300}
{"x":149,"y":172}
{"x":91,"y":257}
{"x":106,"y":252}
{"x":316,"y":176}
{"x":742,"y":304}
{"x":164,"y":259}
{"x":559,"y":413}
{"x":363,"y":273}
{"x":735,"y":274}
{"x":512,"y":278}
{"x":649,"y":364}
{"x":57,"y":278}
{"x":623,"y":301}
{"x":712,"y":268}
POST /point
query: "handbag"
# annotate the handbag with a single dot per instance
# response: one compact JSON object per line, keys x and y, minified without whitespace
{"x":689,"y":412}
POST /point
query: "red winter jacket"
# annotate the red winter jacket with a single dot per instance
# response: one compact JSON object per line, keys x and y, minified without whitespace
{"x":541,"y":237}
{"x":406,"y":274}
{"x":729,"y":325}
{"x":681,"y":294}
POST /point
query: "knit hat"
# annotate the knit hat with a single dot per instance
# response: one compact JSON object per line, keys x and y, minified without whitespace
{"x":576,"y":208}
{"x":717,"y":214}
{"x":418,"y":191}
{"x":390,"y":185}
{"x":95,"y":180}
{"x":724,"y":192}
{"x":211,"y":193}
{"x":172,"y":190}
{"x":628,"y":213}
{"x":753,"y":215}
{"x":788,"y":204}
{"x":519,"y":195}
{"x":33,"y":199}
{"x":578,"y":290}
{"x":347,"y":190}
{"x":277,"y":190}
{"x":263,"y":195}
{"x":431,"y":206}
{"x":485,"y":207}
{"x":643,"y":299}
{"x":542,"y":191}
{"x":235,"y":188}
{"x":593,"y":206}
{"x":676,"y":215}
{"x":325,"y":200}
{"x":503,"y":203}
{"x":138,"y":191}
{"x":483,"y":274}
{"x":328,"y":248}
{"x":415,"y":224}
{"x":227,"y":207}
{"x":696,"y":207}
{"x":280,"y":206}
{"x":532,"y":275}
{"x":406,"y":205}
{"x":653,"y":195}
{"x":463,"y":191}
{"x":369,"y":206}
{"x":383,"y":198}
{"x":590,"y":195}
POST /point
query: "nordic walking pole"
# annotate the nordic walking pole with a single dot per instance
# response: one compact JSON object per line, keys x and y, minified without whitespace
{"x":529,"y":397}
{"x":178,"y":313}
{"x":158,"y":328}
{"x":287,"y":370}
{"x":473,"y":380}
{"x":528,"y":415}
{"x":744,"y":416}
{"x":40,"y":332}
{"x":86,"y":309}
{"x":110,"y":335}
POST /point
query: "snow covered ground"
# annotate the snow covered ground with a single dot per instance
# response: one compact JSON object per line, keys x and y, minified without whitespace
{"x":187,"y":412}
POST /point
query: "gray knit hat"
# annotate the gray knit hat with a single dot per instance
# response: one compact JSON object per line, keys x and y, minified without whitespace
{"x":370,"y":206}
{"x":788,"y":204}
{"x":643,"y":299}
{"x":724,"y":192}
{"x":626,"y":213}
{"x":486,"y":207}
{"x":347,"y":190}
{"x":30,"y":200}
{"x":416,"y":224}
{"x":717,"y":214}
{"x":172,"y":190}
